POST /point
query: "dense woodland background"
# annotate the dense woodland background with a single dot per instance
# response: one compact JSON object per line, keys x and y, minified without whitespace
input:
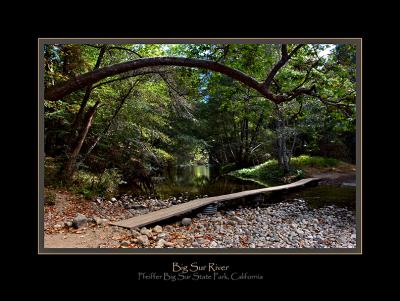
{"x":129,"y":127}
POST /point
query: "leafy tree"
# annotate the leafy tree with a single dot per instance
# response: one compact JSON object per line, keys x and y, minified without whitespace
{"x":235,"y":103}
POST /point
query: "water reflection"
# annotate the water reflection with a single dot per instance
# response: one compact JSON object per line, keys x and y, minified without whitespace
{"x":325,"y":195}
{"x":198,"y":180}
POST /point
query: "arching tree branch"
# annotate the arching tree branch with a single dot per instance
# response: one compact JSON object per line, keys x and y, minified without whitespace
{"x":60,"y":90}
{"x":134,"y":73}
{"x":65,"y":88}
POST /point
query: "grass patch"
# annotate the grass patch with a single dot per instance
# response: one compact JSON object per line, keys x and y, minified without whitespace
{"x":307,"y":161}
{"x":270,"y":172}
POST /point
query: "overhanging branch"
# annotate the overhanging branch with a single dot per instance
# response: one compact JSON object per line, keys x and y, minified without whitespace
{"x":65,"y":88}
{"x":60,"y":90}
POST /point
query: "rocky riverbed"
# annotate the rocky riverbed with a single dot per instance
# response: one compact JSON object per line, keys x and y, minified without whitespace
{"x":282,"y":225}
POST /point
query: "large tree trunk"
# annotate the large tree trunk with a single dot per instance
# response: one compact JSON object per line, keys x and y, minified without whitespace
{"x":110,"y":122}
{"x":79,"y":116}
{"x":282,"y":154}
{"x":283,"y":158}
{"x":293,"y":146}
{"x":70,"y":165}
{"x":245,"y":156}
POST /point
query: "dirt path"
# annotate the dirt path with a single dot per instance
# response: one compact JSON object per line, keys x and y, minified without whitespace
{"x":66,"y":207}
{"x":97,"y":237}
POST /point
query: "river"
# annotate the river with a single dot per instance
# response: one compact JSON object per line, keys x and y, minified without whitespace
{"x":199,"y":180}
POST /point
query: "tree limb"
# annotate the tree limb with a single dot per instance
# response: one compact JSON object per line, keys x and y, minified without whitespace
{"x":295,"y":115}
{"x":285,"y":57}
{"x":138,"y":72}
{"x":60,"y":90}
{"x":79,"y":116}
{"x":115,"y":47}
{"x":307,"y":75}
{"x":300,"y":91}
{"x":110,"y":122}
{"x":223,"y":56}
{"x":125,"y":49}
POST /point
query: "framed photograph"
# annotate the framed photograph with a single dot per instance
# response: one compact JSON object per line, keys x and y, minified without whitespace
{"x":200,"y":146}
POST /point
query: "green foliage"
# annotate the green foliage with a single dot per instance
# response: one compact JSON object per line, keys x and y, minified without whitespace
{"x":189,"y":115}
{"x":86,"y":183}
{"x":162,"y":155}
{"x":91,"y":185}
{"x":316,"y":161}
{"x":270,"y":172}
{"x":266,"y":172}
{"x":52,"y":168}
{"x":227,"y":168}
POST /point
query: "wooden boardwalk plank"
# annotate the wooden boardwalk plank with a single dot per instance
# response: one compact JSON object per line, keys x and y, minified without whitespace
{"x":162,"y":214}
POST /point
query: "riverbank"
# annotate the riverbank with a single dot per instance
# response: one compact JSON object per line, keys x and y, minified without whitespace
{"x":263,"y":225}
{"x":301,"y":167}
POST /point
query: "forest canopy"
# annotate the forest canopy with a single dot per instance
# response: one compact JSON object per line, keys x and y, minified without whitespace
{"x":134,"y":109}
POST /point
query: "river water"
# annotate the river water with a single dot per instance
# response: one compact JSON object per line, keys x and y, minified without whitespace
{"x":199,"y":180}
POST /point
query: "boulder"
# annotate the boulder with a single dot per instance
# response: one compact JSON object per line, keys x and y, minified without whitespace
{"x":80,"y":221}
{"x":125,"y":243}
{"x":162,"y":235}
{"x":146,"y":232}
{"x":143,"y":240}
{"x":157,"y":229}
{"x":168,"y":244}
{"x":237,"y":219}
{"x":186,"y":221}
{"x":213,"y":244}
{"x":161,"y":243}
{"x":135,"y":233}
{"x":98,"y":220}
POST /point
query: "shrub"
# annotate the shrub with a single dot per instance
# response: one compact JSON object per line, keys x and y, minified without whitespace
{"x":226,"y":168}
{"x":307,"y":161}
{"x":50,"y":198}
{"x":90,"y":185}
{"x":108,"y":182}
{"x":270,"y":171}
{"x":162,"y":155}
{"x":52,"y":172}
{"x":267,"y":171}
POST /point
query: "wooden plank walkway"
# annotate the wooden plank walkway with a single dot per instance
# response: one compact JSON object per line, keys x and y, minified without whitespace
{"x":175,"y":210}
